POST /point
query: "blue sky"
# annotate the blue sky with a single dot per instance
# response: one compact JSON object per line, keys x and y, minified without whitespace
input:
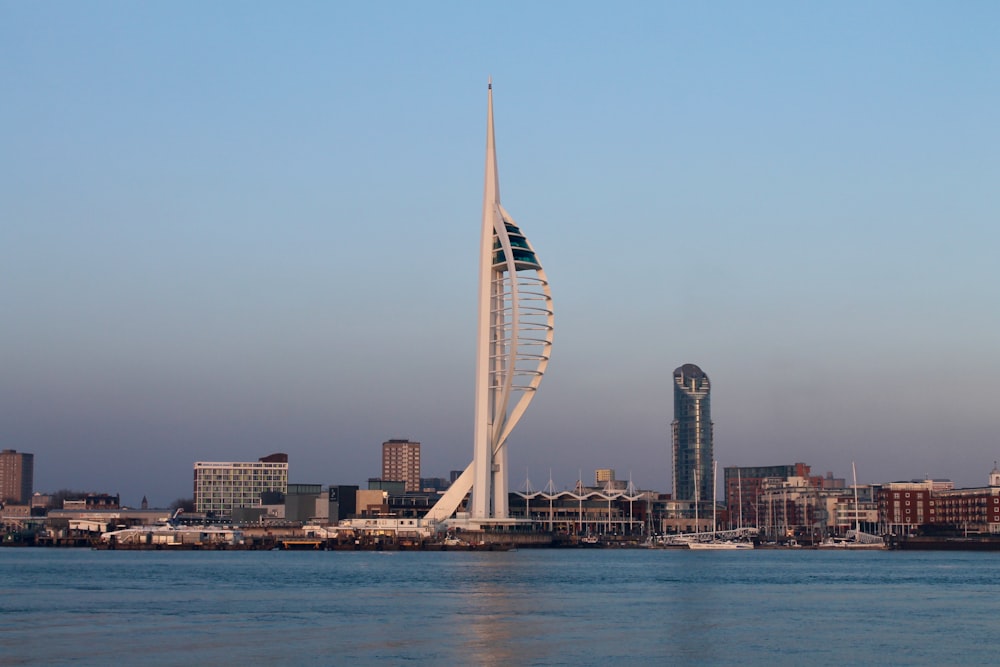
{"x":230,"y":229}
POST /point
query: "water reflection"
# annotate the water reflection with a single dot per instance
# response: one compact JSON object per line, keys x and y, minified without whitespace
{"x":692,"y":611}
{"x":498,"y":622}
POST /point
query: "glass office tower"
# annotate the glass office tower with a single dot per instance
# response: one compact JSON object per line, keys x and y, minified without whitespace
{"x":692,"y":435}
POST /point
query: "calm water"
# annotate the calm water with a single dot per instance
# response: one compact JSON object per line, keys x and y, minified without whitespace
{"x":542,"y":607}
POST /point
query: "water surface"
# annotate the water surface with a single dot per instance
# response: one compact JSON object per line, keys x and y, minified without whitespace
{"x":527,"y":607}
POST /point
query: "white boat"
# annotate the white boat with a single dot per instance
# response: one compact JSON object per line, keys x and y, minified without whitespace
{"x":715,"y":543}
{"x":720,"y":545}
{"x":856,"y":539}
{"x":832,"y":543}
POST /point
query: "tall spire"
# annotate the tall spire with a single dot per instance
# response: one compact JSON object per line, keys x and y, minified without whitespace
{"x":484,"y":467}
{"x":514,"y":335}
{"x":491,"y":189}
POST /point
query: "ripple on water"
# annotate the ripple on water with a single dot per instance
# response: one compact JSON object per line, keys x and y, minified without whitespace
{"x":546,"y":607}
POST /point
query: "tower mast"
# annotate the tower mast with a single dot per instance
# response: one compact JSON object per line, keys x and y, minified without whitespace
{"x":487,"y":471}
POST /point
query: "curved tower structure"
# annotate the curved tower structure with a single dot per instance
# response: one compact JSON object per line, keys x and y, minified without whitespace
{"x":692,"y":435}
{"x":514,"y":337}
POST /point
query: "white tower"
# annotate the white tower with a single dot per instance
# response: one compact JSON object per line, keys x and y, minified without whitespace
{"x":514,"y":338}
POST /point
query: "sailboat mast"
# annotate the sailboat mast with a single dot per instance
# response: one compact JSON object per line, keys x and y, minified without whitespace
{"x":739,"y":488}
{"x":715,"y":504}
{"x":697,"y":526}
{"x":857,"y":518}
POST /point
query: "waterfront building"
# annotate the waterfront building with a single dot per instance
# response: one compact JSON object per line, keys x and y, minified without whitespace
{"x":935,"y":506}
{"x":743,"y":486}
{"x":585,"y":511}
{"x":401,"y":463}
{"x":967,"y":511}
{"x":343,"y":500}
{"x":17,"y":474}
{"x":806,"y":507}
{"x":786,"y":506}
{"x":412,"y":505}
{"x":513,"y":342}
{"x":692,"y":435}
{"x":372,"y":503}
{"x":108,"y":517}
{"x":93,"y":501}
{"x":15,"y":518}
{"x":390,"y":485}
{"x":271,"y":510}
{"x":906,"y":506}
{"x":221,"y":486}
{"x":683,"y":516}
{"x":856,"y":506}
{"x":382,"y":500}
{"x":77,"y":526}
{"x":304,"y":502}
{"x":434,"y":484}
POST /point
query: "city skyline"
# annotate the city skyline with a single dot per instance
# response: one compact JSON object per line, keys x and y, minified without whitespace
{"x":228,"y":231}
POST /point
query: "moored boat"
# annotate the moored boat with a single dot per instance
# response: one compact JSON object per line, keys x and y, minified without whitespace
{"x":720,"y":545}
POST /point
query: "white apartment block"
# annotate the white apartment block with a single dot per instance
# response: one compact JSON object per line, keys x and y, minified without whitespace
{"x":220,"y":486}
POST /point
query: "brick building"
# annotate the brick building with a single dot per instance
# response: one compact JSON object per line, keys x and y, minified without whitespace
{"x":17,"y":474}
{"x":401,"y":463}
{"x":906,"y":507}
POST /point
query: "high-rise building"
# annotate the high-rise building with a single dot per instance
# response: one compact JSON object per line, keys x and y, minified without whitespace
{"x":401,"y":463}
{"x":514,"y":338}
{"x":221,"y":486}
{"x":17,"y":475}
{"x":604,"y":475}
{"x":692,"y":435}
